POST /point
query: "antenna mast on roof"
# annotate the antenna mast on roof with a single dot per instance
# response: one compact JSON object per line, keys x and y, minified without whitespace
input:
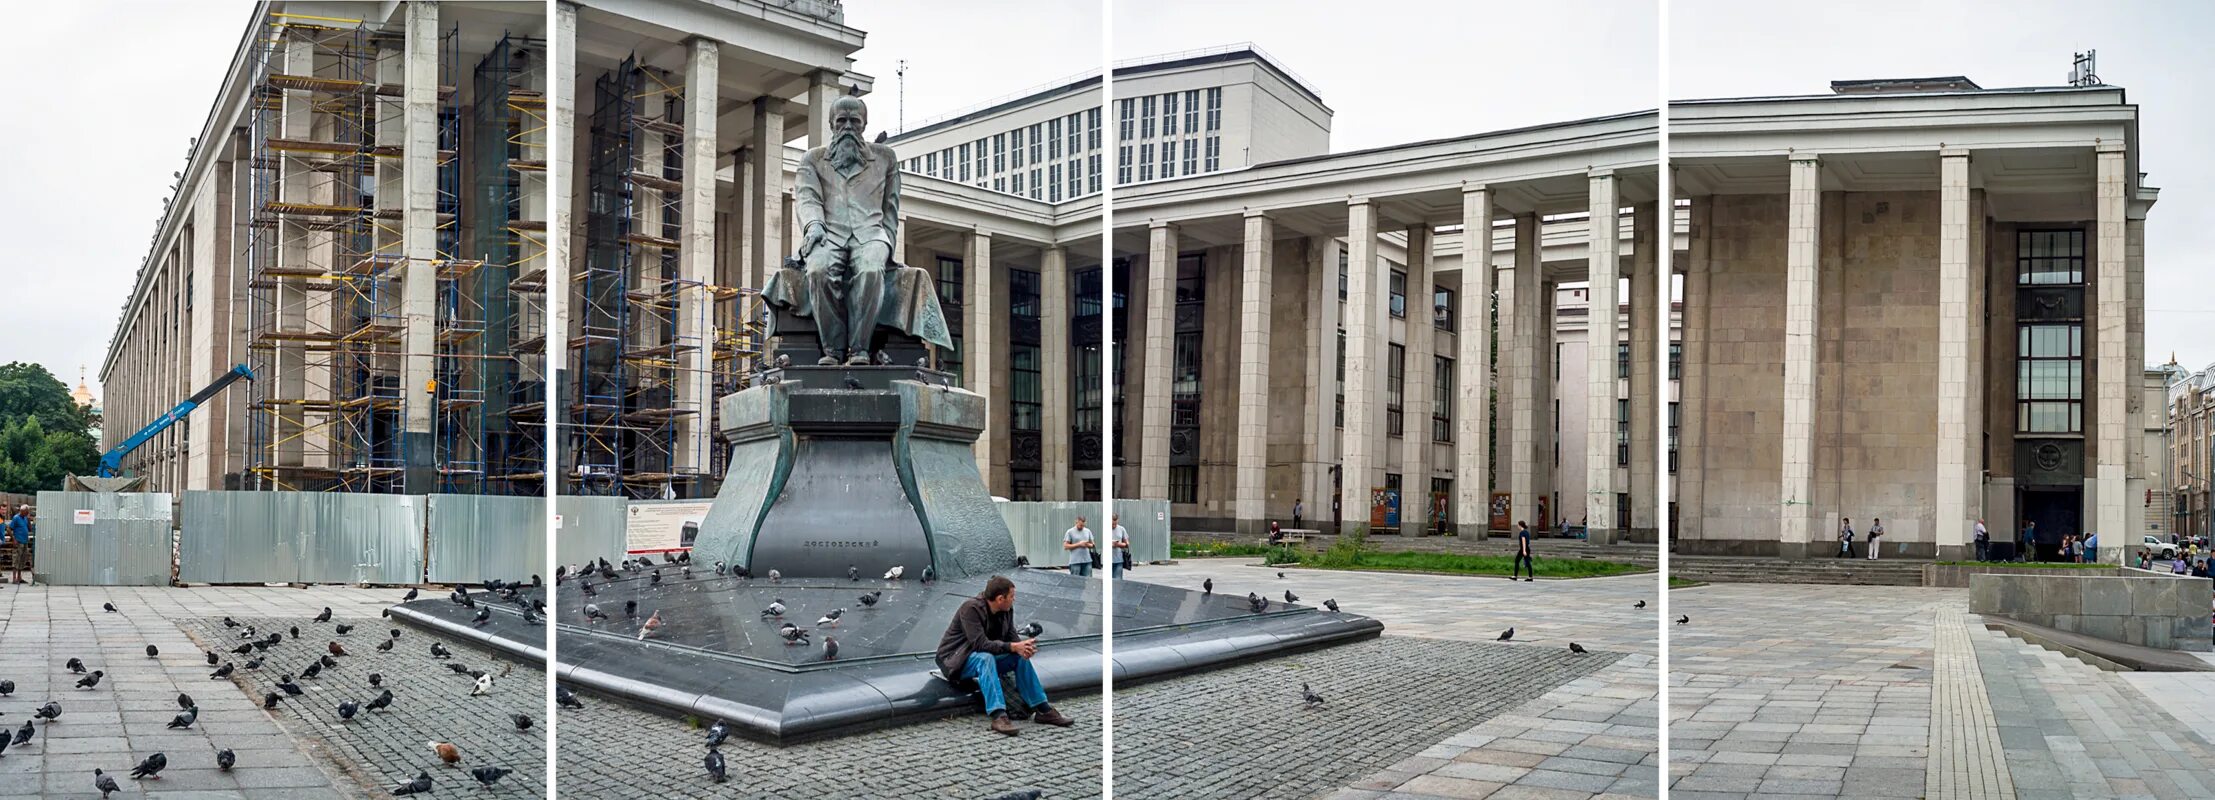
{"x":2081,"y":73}
{"x":902,"y":116}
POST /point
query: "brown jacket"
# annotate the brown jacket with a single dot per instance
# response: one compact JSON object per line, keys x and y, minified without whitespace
{"x":975,"y":629}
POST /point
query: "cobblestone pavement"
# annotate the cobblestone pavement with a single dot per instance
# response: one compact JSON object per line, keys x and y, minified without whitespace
{"x":1529,"y":734}
{"x":380,"y":749}
{"x":612,"y":750}
{"x":1827,"y":691}
{"x":125,"y":719}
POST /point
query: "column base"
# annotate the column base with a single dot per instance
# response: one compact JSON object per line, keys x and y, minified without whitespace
{"x":1800,"y":551}
{"x":1414,"y":529}
{"x":1251,"y":527}
{"x":1353,"y":528}
{"x":1643,"y":535}
{"x":1470,"y":531}
{"x":1603,"y":535}
{"x":1957,"y":552}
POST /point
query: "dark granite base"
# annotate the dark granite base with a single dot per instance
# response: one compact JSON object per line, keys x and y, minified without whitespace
{"x":716,"y":657}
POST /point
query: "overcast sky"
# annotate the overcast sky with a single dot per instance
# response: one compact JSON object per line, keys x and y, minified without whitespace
{"x":2157,"y":51}
{"x":89,"y":145}
{"x":961,"y":53}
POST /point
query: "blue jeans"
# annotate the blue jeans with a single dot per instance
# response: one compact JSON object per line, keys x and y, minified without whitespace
{"x":1117,"y":568}
{"x":1080,"y":569}
{"x":2091,"y":555}
{"x":985,"y":669}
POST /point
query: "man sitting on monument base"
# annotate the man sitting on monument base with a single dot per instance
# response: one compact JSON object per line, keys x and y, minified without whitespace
{"x":981,"y":643}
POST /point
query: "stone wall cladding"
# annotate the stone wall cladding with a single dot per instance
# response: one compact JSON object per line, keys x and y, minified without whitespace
{"x":2169,"y":613}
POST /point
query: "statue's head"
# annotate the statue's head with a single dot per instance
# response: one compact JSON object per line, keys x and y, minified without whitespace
{"x":849,"y":118}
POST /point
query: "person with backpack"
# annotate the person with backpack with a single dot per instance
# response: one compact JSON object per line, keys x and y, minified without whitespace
{"x":1845,"y":538}
{"x":1078,"y":541}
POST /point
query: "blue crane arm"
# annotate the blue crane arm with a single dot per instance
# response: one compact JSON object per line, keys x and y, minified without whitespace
{"x":113,"y":459}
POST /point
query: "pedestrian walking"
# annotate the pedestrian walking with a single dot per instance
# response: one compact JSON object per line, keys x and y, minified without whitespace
{"x":1078,"y":541}
{"x":18,"y":538}
{"x":2030,"y":541}
{"x":1845,"y":538}
{"x":1876,"y":532}
{"x":1984,"y":542}
{"x":1120,"y":540}
{"x":1523,"y":559}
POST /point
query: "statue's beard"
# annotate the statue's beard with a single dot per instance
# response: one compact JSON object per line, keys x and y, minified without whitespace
{"x":845,"y":150}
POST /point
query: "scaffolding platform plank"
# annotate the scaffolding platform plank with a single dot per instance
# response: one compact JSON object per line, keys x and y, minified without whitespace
{"x":646,"y":240}
{"x":311,"y":83}
{"x":532,"y":280}
{"x":311,"y":146}
{"x":655,"y":182}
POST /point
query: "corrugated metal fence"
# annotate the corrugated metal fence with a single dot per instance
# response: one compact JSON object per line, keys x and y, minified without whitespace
{"x":475,"y":537}
{"x":591,"y":527}
{"x":301,"y":537}
{"x":1038,"y":526}
{"x":103,"y":539}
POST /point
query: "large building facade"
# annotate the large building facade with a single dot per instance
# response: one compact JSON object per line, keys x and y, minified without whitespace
{"x":2189,"y":438}
{"x":1915,"y":301}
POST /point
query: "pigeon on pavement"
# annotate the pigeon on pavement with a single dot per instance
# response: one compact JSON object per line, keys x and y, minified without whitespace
{"x":853,"y":573}
{"x":225,"y":759}
{"x":484,"y":615}
{"x":1685,"y":619}
{"x":1309,"y":697}
{"x":292,"y":689}
{"x":151,"y":767}
{"x":1207,"y":586}
{"x":1331,"y":604}
{"x":376,"y":679}
{"x":653,"y":623}
{"x":269,"y":701}
{"x":23,"y":734}
{"x":185,"y":700}
{"x":49,"y":712}
{"x":7,"y":688}
{"x":717,"y":733}
{"x":325,"y":616}
{"x":153,"y":652}
{"x":412,"y":594}
{"x":831,"y":619}
{"x":105,"y":783}
{"x":895,"y":572}
{"x":109,"y":606}
{"x":1576,"y":648}
{"x":381,"y":702}
{"x":870,"y":600}
{"x":185,"y":718}
{"x":566,"y":699}
{"x":715,"y":764}
{"x":344,"y":629}
{"x":439,"y":651}
{"x":421,"y":784}
{"x":1030,"y":631}
{"x":1640,"y":604}
{"x":347,"y":710}
{"x":776,"y":609}
{"x":447,"y":752}
{"x":487,"y":776}
{"x":92,"y":680}
{"x":78,"y":666}
{"x":522,"y":721}
{"x":830,"y":648}
{"x":386,"y":645}
{"x":484,"y":685}
{"x":1289,"y":597}
{"x":1506,"y":635}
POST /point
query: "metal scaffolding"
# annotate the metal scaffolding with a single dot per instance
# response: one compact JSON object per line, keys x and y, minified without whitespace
{"x":508,"y":174}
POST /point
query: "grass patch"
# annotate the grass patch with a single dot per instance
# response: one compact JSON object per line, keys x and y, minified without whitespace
{"x":1457,"y":564}
{"x":2031,"y":564}
{"x":1217,"y":549}
{"x":1684,"y":583}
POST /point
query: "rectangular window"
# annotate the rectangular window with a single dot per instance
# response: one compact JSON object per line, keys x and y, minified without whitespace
{"x":1015,"y":149}
{"x":2049,"y":378}
{"x":1442,"y":399}
{"x":949,"y":297}
{"x":1341,"y":414}
{"x":1017,"y":179}
{"x":1036,"y":185}
{"x":1169,"y":114}
{"x":1053,"y":180}
{"x":1192,"y":111}
{"x":1092,"y":128}
{"x":930,"y":164}
{"x":1184,"y":484}
{"x":1399,"y":294}
{"x":1092,"y":174}
{"x":1622,"y":359}
{"x":1146,"y":162}
{"x":1676,"y":419}
{"x":1024,"y":390}
{"x":1038,"y":145}
{"x":964,"y":163}
{"x":1075,"y":126}
{"x":1076,"y":177}
{"x":1622,"y":433}
{"x":1053,"y":138}
{"x":1676,"y":361}
{"x":1442,"y":308}
{"x":1184,"y":383}
{"x":983,"y":160}
{"x":2049,"y":258}
{"x":1000,"y":152}
{"x":1168,"y":160}
{"x":1342,"y":273}
{"x":1395,"y":382}
{"x":1191,"y":156}
{"x":1146,"y":117}
{"x":1215,"y":109}
{"x":1123,"y":165}
{"x":1125,"y":113}
{"x":1000,"y":184}
{"x":1214,"y":153}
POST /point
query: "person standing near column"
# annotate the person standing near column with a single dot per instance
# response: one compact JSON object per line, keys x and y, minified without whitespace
{"x":1523,"y":561}
{"x":1078,"y":541}
{"x":18,"y":538}
{"x":1876,"y":532}
{"x":2030,"y":541}
{"x":1983,"y":538}
{"x":2092,"y":547}
{"x":1297,"y":509}
{"x":1845,"y":538}
{"x":1120,"y":539}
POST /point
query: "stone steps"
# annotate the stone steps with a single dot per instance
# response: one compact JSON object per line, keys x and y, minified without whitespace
{"x":1837,"y":572}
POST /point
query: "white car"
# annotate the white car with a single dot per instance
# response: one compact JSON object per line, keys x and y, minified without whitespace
{"x":2161,"y":549}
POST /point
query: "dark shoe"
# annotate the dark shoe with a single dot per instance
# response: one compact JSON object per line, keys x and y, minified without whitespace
{"x":1049,"y":716}
{"x":1529,"y":580}
{"x":1001,"y":725}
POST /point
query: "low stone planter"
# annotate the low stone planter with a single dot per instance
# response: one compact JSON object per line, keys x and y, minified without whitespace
{"x":2150,"y":610}
{"x":1957,"y":577}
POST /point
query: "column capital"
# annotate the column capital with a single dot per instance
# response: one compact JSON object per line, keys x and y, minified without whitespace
{"x":2110,"y":146}
{"x":1352,"y":200}
{"x":1953,"y":152}
{"x":1255,"y":212}
{"x":1468,"y":187}
{"x":824,"y":76}
{"x":696,"y":40}
{"x":1600,"y":172}
{"x":1159,"y":224}
{"x":1802,"y":157}
{"x":769,"y":105}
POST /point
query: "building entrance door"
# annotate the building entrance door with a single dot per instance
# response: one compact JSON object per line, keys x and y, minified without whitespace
{"x":2058,"y":512}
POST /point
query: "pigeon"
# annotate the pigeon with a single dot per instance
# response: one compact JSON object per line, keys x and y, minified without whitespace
{"x":242,"y":649}
{"x":1257,"y":602}
{"x":715,"y":764}
{"x":325,"y":616}
{"x":794,"y":634}
{"x":530,"y":617}
{"x":1030,"y":631}
{"x":831,"y":619}
{"x":439,"y":651}
{"x":49,"y":712}
{"x":1331,"y":604}
{"x":412,"y":594}
{"x":593,"y":612}
{"x":775,"y":576}
{"x":344,"y":629}
{"x":655,"y":580}
{"x":1022,"y":562}
{"x":420,"y":785}
{"x":1280,"y":576}
{"x":347,"y":710}
{"x":447,"y":752}
{"x":3,"y":745}
{"x":1309,"y":697}
{"x":110,"y":607}
{"x":870,"y":600}
{"x":853,"y":383}
{"x":295,"y":631}
{"x":269,"y":701}
{"x":653,"y":623}
{"x":1289,"y":597}
{"x":291,"y":689}
{"x":78,"y":666}
{"x":395,"y":633}
{"x":566,"y":699}
{"x":484,"y":686}
{"x":1207,"y":586}
{"x":376,"y":679}
{"x":484,"y":615}
{"x":1639,"y":604}
{"x":225,"y":759}
{"x":1506,"y":635}
{"x":776,"y":609}
{"x":151,"y":767}
{"x":895,"y":572}
{"x":23,"y":734}
{"x":463,"y":669}
{"x":230,"y":623}
{"x":830,"y":648}
{"x":487,"y":776}
{"x":92,"y":680}
{"x":253,"y":664}
{"x":1019,"y":794}
{"x":381,"y":702}
{"x":105,"y":783}
{"x":630,"y":608}
{"x":386,"y":645}
{"x":853,"y":573}
{"x":1684,"y":619}
{"x":336,"y":650}
{"x":7,"y":688}
{"x":522,"y":721}
{"x":314,"y":670}
{"x":929,"y":574}
{"x":185,"y":718}
{"x":185,"y":700}
{"x":719,"y":566}
{"x":586,"y":587}
{"x":883,"y":360}
{"x":717,"y":733}
{"x":1576,"y":648}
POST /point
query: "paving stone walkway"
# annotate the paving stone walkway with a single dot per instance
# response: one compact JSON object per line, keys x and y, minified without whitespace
{"x":1965,"y":759}
{"x":1594,"y":735}
{"x":125,"y":719}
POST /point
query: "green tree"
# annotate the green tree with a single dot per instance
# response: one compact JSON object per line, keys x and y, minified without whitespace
{"x":44,"y":435}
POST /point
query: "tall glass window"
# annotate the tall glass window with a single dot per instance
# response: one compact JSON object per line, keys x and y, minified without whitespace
{"x":1015,"y":148}
{"x":1399,"y":294}
{"x":1395,"y":389}
{"x":964,"y":163}
{"x":1038,"y":145}
{"x":949,"y":297}
{"x":1125,"y":114}
{"x":1622,"y":359}
{"x":1092,"y":128}
{"x":1053,"y":138}
{"x":1092,"y":173}
{"x":1192,"y":111}
{"x":1146,"y":117}
{"x":2049,"y":258}
{"x":1169,"y":114}
{"x":1191,"y":156}
{"x":1442,"y":308}
{"x":1622,"y":433}
{"x":1123,"y":165}
{"x":1214,"y":153}
{"x":999,"y":152}
{"x":2049,"y":378}
{"x":1676,"y":361}
{"x":1442,"y":399}
{"x":1676,"y":420}
{"x":1146,"y":161}
{"x":1215,"y":109}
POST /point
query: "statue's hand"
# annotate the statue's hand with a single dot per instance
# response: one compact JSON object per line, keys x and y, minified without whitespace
{"x":811,"y":239}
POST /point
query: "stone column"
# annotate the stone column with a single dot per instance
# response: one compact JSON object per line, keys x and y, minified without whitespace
{"x":696,"y":260}
{"x":1522,"y":305}
{"x":822,"y":91}
{"x":765,"y":218}
{"x":1472,"y":510}
{"x":1250,"y":493}
{"x":1804,"y":201}
{"x":1602,"y":269}
{"x":561,"y":151}
{"x":1366,"y":316}
{"x":981,"y":342}
{"x":1161,"y":316}
{"x":1953,"y":517}
{"x":2111,"y":343}
{"x":1415,"y":389}
{"x":1692,"y":390}
{"x":419,"y":243}
{"x":1647,"y":308}
{"x":1054,"y":392}
{"x":1319,"y":434}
